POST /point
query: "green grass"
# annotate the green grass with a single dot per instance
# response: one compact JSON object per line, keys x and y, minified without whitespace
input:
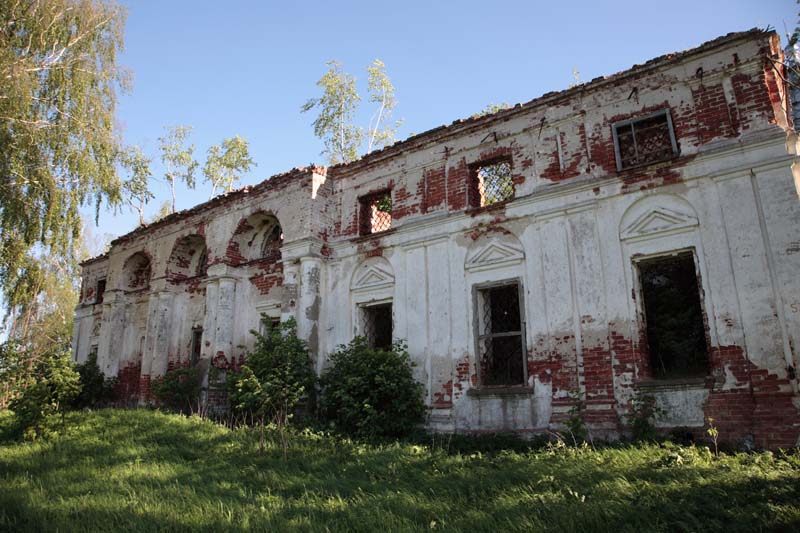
{"x":142,"y":470}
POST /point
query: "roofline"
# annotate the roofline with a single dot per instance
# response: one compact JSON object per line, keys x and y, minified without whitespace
{"x":221,"y":199}
{"x":455,"y":127}
{"x":459,"y":125}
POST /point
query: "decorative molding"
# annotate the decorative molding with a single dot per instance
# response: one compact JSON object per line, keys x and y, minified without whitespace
{"x":658,"y":220}
{"x":493,"y":255}
{"x":372,"y":275}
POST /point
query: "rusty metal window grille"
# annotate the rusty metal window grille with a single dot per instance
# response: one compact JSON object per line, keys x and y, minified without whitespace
{"x":376,"y":325}
{"x":676,"y":338}
{"x":376,"y":212}
{"x":644,"y":140}
{"x":500,"y":336}
{"x":100,"y":291}
{"x":492,"y":183}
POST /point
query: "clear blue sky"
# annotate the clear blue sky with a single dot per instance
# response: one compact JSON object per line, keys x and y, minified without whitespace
{"x":245,"y":67}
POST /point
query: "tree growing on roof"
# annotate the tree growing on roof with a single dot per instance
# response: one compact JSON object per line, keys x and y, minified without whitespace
{"x":226,"y":162}
{"x":136,"y":189}
{"x":177,"y":156}
{"x":336,"y":125}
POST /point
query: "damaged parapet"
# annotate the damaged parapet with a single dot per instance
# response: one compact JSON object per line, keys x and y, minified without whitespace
{"x":632,"y":237}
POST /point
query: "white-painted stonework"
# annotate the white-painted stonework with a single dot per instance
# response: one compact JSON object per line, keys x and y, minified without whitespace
{"x":572,"y":241}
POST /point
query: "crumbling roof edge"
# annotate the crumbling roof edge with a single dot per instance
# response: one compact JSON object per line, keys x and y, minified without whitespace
{"x":457,"y":126}
{"x":217,"y":201}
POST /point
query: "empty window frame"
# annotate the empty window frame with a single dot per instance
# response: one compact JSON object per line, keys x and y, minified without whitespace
{"x":376,"y":325}
{"x":676,"y":338}
{"x":500,"y":337}
{"x":376,"y":212}
{"x":644,"y":140}
{"x":491,"y":182}
{"x":197,"y":346}
{"x":100,"y":290}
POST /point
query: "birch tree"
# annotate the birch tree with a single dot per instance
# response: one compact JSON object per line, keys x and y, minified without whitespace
{"x":59,"y":82}
{"x":177,"y":158}
{"x":136,"y":189}
{"x":226,"y":163}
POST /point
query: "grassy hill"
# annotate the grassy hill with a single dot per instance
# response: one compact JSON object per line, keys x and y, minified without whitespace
{"x":142,"y":470}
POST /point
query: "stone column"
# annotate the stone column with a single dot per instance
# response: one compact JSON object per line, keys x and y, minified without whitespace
{"x":109,"y":349}
{"x":309,"y":302}
{"x":223,"y":330}
{"x":160,"y":354}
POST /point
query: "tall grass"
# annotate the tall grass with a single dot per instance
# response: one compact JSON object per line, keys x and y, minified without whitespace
{"x":141,"y":470}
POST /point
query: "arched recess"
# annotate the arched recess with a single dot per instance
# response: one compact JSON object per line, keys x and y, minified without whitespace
{"x":189,"y":259}
{"x":257,"y":237}
{"x":136,"y":272}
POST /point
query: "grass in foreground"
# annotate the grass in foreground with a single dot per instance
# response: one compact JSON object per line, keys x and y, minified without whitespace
{"x":142,"y":470}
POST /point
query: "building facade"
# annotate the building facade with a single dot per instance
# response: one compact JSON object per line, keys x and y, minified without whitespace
{"x":635,"y":236}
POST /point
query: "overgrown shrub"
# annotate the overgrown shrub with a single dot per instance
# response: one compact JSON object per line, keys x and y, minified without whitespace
{"x":643,"y":414}
{"x":15,"y":371}
{"x":178,"y":389}
{"x":276,"y":376}
{"x":96,"y":388}
{"x":54,"y":384}
{"x":576,"y":427}
{"x":370,"y":392}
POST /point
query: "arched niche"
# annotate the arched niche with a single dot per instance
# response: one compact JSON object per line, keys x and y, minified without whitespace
{"x":136,"y":272}
{"x":257,"y":237}
{"x":189,"y":258}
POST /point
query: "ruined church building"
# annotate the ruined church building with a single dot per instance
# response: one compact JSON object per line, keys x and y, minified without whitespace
{"x":636,"y":235}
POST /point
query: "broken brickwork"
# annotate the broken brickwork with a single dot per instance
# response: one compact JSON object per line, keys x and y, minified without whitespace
{"x":571,"y":212}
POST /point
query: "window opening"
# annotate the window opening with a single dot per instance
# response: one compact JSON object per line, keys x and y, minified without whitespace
{"x":377,"y":325}
{"x":644,"y":140}
{"x":500,"y":339}
{"x":675,"y":329}
{"x":376,"y":212}
{"x":100,"y":290}
{"x":492,"y":183}
{"x":272,"y":241}
{"x":197,"y":346}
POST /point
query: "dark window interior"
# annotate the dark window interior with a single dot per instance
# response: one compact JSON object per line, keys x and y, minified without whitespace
{"x":500,"y":338}
{"x":491,"y":183}
{"x":378,"y":325}
{"x":101,"y":289}
{"x":376,"y":212}
{"x":197,"y":345}
{"x":644,"y":141}
{"x":675,"y":330}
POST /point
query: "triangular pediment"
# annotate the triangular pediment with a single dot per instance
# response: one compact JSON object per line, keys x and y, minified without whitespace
{"x":372,"y":276}
{"x":495,"y":254}
{"x":658,"y":220}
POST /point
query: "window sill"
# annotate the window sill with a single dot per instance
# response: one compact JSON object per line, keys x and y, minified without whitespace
{"x":655,"y":385}
{"x":643,"y":166}
{"x":505,"y":391}
{"x":479,"y":210}
{"x":370,"y":236}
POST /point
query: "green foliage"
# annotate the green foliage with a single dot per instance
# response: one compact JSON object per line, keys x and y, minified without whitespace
{"x":337,"y":106}
{"x":381,"y":91}
{"x":277,"y":374}
{"x":491,"y":109}
{"x":53,"y":385}
{"x":143,"y":470}
{"x":178,"y":388}
{"x":136,"y":189}
{"x":643,"y":414}
{"x":576,"y":427}
{"x":225,"y":163}
{"x":59,"y":81}
{"x":96,"y":388}
{"x":370,"y":392}
{"x":178,"y":158}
